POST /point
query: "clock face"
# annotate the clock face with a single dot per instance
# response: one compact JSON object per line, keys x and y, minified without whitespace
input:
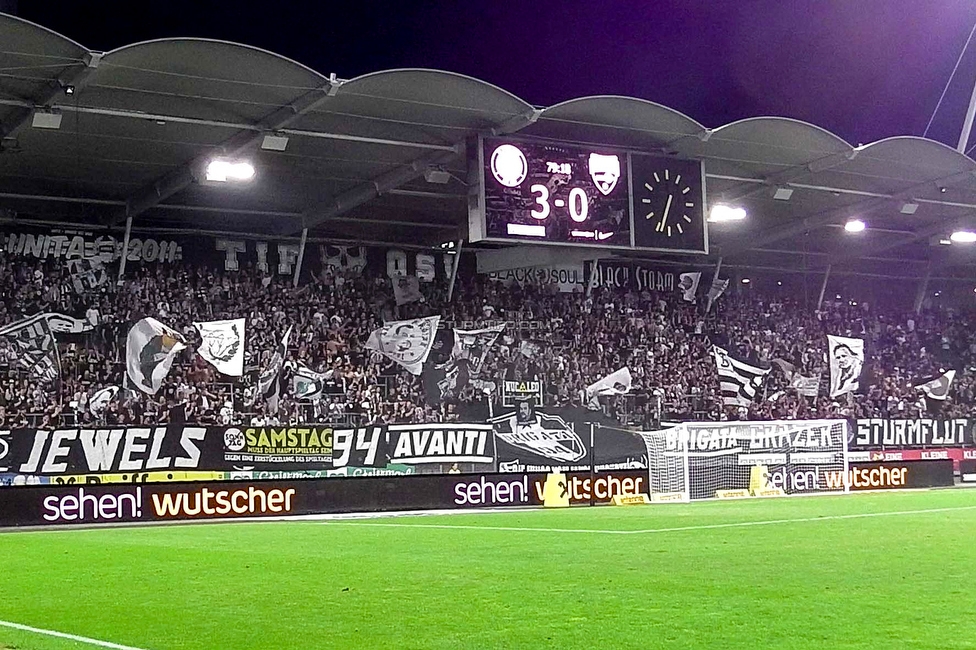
{"x":667,"y":204}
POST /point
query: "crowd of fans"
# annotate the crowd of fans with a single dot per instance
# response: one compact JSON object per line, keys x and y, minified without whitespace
{"x":565,"y":340}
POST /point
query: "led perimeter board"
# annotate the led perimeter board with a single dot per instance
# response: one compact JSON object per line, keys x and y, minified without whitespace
{"x":572,"y":195}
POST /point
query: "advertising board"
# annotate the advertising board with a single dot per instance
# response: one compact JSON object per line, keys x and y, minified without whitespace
{"x":84,"y":504}
{"x":895,"y":475}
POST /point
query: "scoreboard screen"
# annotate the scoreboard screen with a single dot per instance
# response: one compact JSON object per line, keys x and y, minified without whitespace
{"x":552,"y":193}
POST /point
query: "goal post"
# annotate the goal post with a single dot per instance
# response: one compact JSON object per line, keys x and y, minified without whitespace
{"x":709,"y":459}
{"x":667,"y":464}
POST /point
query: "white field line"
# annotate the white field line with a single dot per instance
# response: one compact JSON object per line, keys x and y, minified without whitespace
{"x":647,"y":531}
{"x":70,"y":637}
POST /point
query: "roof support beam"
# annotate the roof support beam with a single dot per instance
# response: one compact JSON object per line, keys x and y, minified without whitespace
{"x":182,"y":177}
{"x":76,"y":75}
{"x":864,"y":207}
{"x":790,"y":174}
{"x":365,"y":192}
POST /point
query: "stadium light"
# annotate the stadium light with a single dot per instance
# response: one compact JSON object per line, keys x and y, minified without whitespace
{"x":721,"y":213}
{"x":963,"y":237}
{"x":854,"y":225}
{"x":46,"y":119}
{"x":273,"y":142}
{"x":222,"y":171}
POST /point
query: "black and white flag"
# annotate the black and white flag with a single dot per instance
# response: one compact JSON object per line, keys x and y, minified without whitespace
{"x":308,"y":384}
{"x":406,"y":342}
{"x":57,"y":323}
{"x":938,"y":388}
{"x":406,"y":289}
{"x":715,"y":291}
{"x":268,"y":385}
{"x":87,"y":274}
{"x":806,"y":386}
{"x":100,"y":399}
{"x":448,"y":372}
{"x":222,"y":345}
{"x":688,"y":285}
{"x":738,"y":380}
{"x":35,"y":347}
{"x":846,"y":358}
{"x":150,"y":350}
{"x":472,"y":346}
{"x":618,"y":382}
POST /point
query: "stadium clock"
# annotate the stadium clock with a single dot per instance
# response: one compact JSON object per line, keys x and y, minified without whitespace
{"x":668,"y":204}
{"x":554,"y":193}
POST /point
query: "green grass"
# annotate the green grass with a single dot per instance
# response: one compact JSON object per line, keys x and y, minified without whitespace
{"x":901,"y":581}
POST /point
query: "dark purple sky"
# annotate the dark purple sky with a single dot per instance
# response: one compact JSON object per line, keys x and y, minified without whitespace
{"x":865,"y":69}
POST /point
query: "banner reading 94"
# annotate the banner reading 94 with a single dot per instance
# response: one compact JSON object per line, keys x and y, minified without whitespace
{"x":554,"y":193}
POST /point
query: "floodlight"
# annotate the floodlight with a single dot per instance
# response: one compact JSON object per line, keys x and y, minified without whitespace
{"x":437,"y":175}
{"x":963,"y":237}
{"x":274,"y":143}
{"x":746,"y":280}
{"x":46,"y":120}
{"x":854,"y":225}
{"x":721,"y":213}
{"x":222,"y":171}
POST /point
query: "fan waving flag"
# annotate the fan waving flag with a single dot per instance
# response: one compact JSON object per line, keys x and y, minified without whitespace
{"x":35,"y":347}
{"x":150,"y":350}
{"x":616,"y":383}
{"x":100,"y":399}
{"x":407,"y":342}
{"x":715,"y":291}
{"x":268,"y":385}
{"x":308,"y":384}
{"x":938,"y":388}
{"x":222,"y":345}
{"x":688,"y":285}
{"x":846,"y":358}
{"x":738,"y":380}
{"x":406,"y":289}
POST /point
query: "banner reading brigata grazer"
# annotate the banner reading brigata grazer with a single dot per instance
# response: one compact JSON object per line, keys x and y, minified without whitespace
{"x":110,"y":504}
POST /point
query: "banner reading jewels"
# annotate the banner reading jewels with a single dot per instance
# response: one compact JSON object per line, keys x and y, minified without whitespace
{"x":181,"y":452}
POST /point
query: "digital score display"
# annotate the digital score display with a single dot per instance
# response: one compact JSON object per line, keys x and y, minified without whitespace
{"x":552,"y":193}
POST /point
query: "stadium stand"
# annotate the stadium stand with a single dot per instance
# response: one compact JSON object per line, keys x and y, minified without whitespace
{"x":578,"y":339}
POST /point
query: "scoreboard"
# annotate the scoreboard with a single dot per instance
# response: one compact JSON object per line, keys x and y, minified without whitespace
{"x":562,"y":194}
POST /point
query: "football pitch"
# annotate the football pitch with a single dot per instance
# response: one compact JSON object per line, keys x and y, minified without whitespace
{"x":878,"y":570}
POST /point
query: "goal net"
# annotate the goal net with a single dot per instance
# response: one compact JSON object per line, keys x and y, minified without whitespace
{"x":749,"y":458}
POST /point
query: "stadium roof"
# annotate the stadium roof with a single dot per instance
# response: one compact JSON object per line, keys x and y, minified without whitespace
{"x":142,"y":121}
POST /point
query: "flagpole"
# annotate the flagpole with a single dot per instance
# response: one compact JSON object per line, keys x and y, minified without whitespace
{"x":823,"y":287}
{"x":125,"y":248}
{"x":454,"y":271}
{"x":301,"y":258}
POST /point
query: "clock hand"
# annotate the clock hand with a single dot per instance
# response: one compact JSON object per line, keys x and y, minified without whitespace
{"x":667,"y":208}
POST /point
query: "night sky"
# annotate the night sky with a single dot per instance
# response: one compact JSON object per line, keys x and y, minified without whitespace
{"x":864,"y":69}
